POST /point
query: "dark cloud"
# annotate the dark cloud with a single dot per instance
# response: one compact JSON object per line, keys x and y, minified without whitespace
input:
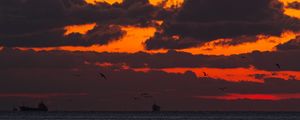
{"x":129,"y":12}
{"x":206,"y":20}
{"x":291,"y":45}
{"x":20,"y":17}
{"x":159,"y":41}
{"x":260,"y":60}
{"x":237,"y":41}
{"x":34,"y":23}
{"x":31,"y":19}
{"x":100,"y":35}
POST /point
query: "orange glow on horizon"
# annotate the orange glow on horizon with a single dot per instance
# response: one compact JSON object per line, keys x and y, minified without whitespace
{"x":266,"y":97}
{"x":263,"y":44}
{"x":231,"y":74}
{"x":82,"y":29}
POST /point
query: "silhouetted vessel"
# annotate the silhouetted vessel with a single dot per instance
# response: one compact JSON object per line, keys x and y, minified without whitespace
{"x":155,"y":108}
{"x":41,"y":108}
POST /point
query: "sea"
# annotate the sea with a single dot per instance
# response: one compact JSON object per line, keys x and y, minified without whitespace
{"x":150,"y":115}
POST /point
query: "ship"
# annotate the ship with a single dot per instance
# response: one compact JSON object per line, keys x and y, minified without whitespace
{"x":41,"y":108}
{"x":155,"y":108}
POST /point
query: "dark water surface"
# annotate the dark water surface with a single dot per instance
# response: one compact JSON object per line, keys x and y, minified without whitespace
{"x":150,"y":116}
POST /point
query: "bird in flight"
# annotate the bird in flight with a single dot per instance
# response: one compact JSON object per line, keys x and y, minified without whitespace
{"x":278,"y":66}
{"x":103,"y":76}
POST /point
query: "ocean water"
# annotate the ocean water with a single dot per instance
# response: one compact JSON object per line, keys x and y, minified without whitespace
{"x":150,"y":116}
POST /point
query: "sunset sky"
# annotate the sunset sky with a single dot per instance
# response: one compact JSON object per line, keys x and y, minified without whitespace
{"x":181,"y":52}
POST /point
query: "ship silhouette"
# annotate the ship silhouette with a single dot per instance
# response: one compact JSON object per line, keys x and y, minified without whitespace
{"x":40,"y":108}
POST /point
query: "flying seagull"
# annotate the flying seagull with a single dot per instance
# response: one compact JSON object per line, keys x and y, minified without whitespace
{"x":103,"y":76}
{"x":278,"y":66}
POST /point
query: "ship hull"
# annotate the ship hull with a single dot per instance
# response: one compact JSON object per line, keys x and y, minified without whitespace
{"x":23,"y":108}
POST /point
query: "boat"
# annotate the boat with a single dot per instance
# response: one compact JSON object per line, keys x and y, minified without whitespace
{"x":155,"y":108}
{"x":41,"y":108}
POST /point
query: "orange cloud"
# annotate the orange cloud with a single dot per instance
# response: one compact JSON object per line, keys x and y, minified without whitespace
{"x":232,"y":74}
{"x":292,"y":12}
{"x":135,"y":38}
{"x":263,"y":44}
{"x":132,"y":42}
{"x":289,"y":11}
{"x":82,"y":29}
{"x":268,"y":97}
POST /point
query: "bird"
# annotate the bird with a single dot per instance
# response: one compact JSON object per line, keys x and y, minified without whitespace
{"x":103,"y":76}
{"x":205,"y":74}
{"x":278,"y":66}
{"x":223,"y":88}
